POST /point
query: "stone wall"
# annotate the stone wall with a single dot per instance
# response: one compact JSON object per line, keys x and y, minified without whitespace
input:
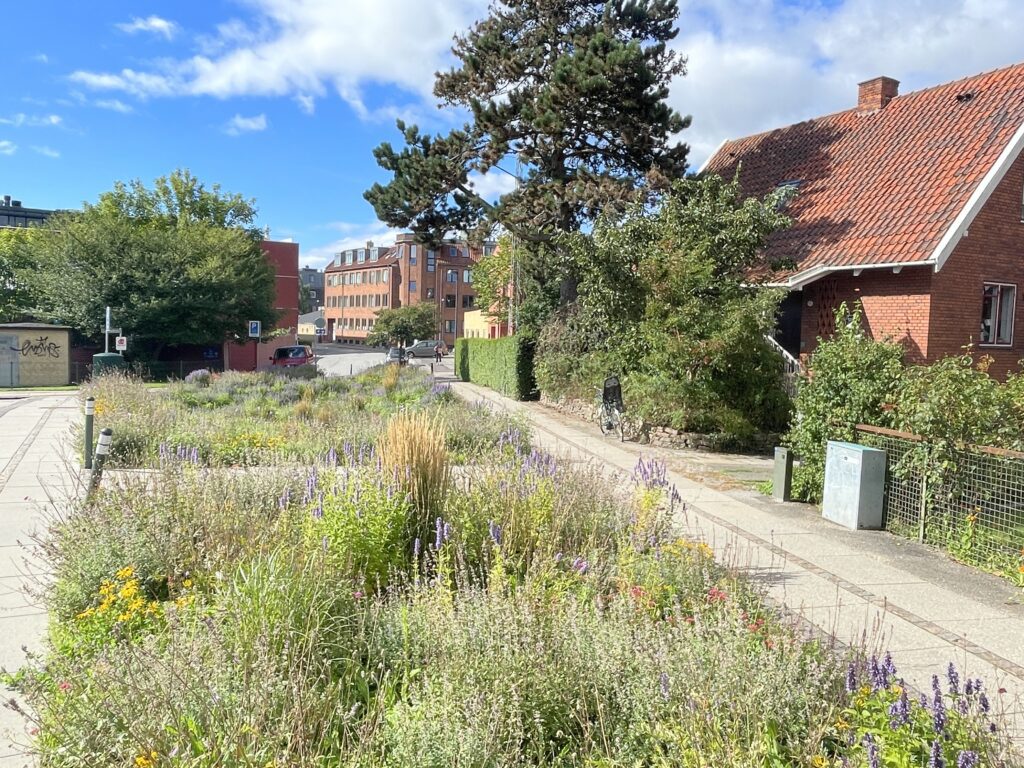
{"x":666,"y":437}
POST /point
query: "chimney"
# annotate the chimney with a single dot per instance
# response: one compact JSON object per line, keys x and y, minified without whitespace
{"x":874,"y":94}
{"x":7,"y":199}
{"x":369,"y":244}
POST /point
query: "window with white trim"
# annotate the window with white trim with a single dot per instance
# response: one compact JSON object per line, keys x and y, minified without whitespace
{"x":997,"y":306}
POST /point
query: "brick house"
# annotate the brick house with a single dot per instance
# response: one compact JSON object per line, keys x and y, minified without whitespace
{"x":362,"y":281}
{"x":911,"y":204}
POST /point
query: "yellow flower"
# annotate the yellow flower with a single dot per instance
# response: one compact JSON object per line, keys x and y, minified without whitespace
{"x":896,"y":689}
{"x":187,"y":583}
{"x":146,"y":761}
{"x":125,"y":573}
{"x":819,"y":761}
{"x":86,"y":613}
{"x":106,"y":588}
{"x":841,"y":724}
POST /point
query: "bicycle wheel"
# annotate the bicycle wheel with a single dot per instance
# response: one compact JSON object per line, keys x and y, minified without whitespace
{"x":602,"y":419}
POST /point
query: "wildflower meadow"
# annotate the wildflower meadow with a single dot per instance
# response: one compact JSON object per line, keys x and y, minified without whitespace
{"x":392,"y":577}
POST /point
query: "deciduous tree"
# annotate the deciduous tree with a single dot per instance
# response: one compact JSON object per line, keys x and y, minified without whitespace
{"x":404,"y":325}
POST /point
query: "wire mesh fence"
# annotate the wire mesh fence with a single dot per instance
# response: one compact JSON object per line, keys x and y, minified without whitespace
{"x":967,"y":500}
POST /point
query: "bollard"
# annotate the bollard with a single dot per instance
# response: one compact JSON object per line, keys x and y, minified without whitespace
{"x":431,"y":369}
{"x":102,"y":451}
{"x":782,"y":477}
{"x":350,"y":366}
{"x":90,"y":414}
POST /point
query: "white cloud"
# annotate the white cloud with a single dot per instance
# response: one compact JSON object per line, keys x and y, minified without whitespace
{"x":33,"y":121}
{"x":760,"y":64}
{"x":154,"y":24}
{"x":492,"y":185}
{"x":46,"y":152}
{"x":42,"y":58}
{"x":309,"y":48}
{"x":355,"y":236}
{"x":306,"y":103}
{"x":8,"y":147}
{"x":238,"y":125}
{"x":114,"y":105}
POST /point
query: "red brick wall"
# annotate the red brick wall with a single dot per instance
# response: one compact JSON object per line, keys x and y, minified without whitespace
{"x":993,"y":251}
{"x":895,"y":306}
{"x":284,"y":258}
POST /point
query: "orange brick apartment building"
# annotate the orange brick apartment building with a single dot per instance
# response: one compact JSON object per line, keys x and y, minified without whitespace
{"x":911,"y":204}
{"x":362,"y":281}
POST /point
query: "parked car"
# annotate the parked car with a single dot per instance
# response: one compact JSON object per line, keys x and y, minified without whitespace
{"x":426,"y":348}
{"x":396,"y":355}
{"x":286,"y":357}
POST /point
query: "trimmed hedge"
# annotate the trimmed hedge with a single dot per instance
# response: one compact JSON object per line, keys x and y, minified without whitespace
{"x":504,"y":365}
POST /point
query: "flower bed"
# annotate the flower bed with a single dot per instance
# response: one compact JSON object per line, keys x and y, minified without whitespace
{"x":381,"y":609}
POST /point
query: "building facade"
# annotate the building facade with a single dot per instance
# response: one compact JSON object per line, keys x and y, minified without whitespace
{"x":362,"y":281}
{"x":910,"y":205}
{"x":312,"y":280}
{"x":14,"y":214}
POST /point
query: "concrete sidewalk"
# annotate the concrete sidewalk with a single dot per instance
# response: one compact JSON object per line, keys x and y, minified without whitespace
{"x":35,"y":468}
{"x":864,"y":588}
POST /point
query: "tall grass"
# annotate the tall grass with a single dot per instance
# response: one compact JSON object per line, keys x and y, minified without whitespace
{"x":412,"y":449}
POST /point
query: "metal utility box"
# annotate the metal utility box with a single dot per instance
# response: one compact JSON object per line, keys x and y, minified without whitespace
{"x":854,"y":484}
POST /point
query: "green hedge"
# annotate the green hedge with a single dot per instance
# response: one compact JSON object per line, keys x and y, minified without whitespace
{"x":505,"y":365}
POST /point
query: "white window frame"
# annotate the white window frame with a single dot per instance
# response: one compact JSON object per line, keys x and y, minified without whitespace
{"x":998,"y":313}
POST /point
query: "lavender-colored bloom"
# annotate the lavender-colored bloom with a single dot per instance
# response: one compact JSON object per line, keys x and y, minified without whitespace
{"x":983,"y":704}
{"x":416,"y":548}
{"x":663,"y":684}
{"x":285,"y":499}
{"x":969,"y":687}
{"x":580,"y":565}
{"x":939,"y":713}
{"x":936,"y":760}
{"x":967,"y":759}
{"x":872,"y":750}
{"x":954,"y":679}
{"x":447,"y":531}
{"x":851,"y":678}
{"x":936,"y":686}
{"x":439,"y":533}
{"x":888,"y":666}
{"x":332,"y":458}
{"x":992,"y":728}
{"x":495,"y":531}
{"x":879,"y":679}
{"x":558,"y":557}
{"x":899,"y":710}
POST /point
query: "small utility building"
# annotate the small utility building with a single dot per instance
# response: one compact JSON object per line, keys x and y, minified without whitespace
{"x":34,"y":355}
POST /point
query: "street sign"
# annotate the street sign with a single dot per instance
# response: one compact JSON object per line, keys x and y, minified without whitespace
{"x":121,"y":343}
{"x":320,"y":331}
{"x":255,"y":329}
{"x":319,"y":323}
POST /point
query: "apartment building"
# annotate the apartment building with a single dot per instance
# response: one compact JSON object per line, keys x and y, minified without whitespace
{"x":362,"y":281}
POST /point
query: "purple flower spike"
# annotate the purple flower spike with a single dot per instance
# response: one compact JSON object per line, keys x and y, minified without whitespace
{"x":851,"y":678}
{"x":954,"y":679}
{"x":967,"y":759}
{"x":439,"y":533}
{"x":983,"y":704}
{"x":495,"y":532}
{"x":888,"y":666}
{"x":936,"y":760}
{"x":899,"y":710}
{"x":416,"y":548}
{"x":969,"y":687}
{"x":939,"y":713}
{"x":872,"y":750}
{"x":580,"y":565}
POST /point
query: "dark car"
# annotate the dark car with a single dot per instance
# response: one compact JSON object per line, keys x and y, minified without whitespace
{"x":286,"y":357}
{"x":396,"y":355}
{"x":426,"y":348}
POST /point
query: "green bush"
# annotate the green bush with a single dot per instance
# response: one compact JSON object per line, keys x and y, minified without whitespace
{"x":504,"y":365}
{"x":853,"y":379}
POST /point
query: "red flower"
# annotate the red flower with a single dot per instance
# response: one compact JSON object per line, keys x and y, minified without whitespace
{"x":716,"y":595}
{"x":754,"y":626}
{"x":637,"y":592}
{"x":65,"y":685}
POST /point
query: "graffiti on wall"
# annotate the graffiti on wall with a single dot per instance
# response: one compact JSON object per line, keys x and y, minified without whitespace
{"x":40,"y":347}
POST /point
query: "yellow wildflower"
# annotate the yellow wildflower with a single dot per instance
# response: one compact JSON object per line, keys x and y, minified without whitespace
{"x":146,"y":761}
{"x":819,"y":761}
{"x":86,"y":613}
{"x":841,"y":724}
{"x":187,"y":583}
{"x":125,"y":573}
{"x":106,"y":588}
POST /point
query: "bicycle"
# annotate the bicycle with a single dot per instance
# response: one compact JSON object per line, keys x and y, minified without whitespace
{"x":610,"y":411}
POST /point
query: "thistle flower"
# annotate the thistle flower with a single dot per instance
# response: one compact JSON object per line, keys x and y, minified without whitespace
{"x":935,"y":759}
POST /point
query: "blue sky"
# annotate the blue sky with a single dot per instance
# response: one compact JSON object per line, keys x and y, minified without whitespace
{"x":283,"y":100}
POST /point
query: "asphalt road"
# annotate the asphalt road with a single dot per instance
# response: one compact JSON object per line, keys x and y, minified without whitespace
{"x":338,"y":360}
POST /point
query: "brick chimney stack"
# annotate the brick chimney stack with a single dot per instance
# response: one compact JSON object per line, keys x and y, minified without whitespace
{"x":874,"y":94}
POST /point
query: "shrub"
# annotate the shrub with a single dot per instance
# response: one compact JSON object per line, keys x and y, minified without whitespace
{"x":852,"y":380}
{"x":504,"y":365}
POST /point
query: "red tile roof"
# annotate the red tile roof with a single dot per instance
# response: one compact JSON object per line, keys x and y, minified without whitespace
{"x":880,"y":187}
